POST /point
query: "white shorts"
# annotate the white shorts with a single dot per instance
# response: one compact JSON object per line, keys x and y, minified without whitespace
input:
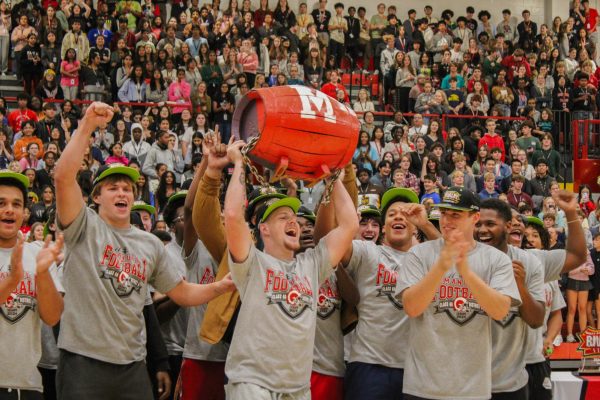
{"x":245,"y":391}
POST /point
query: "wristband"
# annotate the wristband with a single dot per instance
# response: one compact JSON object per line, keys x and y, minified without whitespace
{"x":571,"y":221}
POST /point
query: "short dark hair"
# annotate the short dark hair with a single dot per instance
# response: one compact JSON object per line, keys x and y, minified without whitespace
{"x":501,"y":207}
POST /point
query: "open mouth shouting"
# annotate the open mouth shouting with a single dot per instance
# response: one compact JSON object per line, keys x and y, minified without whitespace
{"x":121,"y":205}
{"x":516,"y":235}
{"x":291,"y":232}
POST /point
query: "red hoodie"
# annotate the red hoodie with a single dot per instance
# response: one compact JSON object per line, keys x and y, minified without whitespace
{"x":512,"y":67}
{"x":493,"y":141}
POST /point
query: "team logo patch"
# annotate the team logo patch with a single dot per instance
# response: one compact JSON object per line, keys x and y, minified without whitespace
{"x":386,"y":284}
{"x":292,"y":293}
{"x":510,"y":317}
{"x":20,"y":301}
{"x":456,"y":300}
{"x":329,"y":299}
{"x":125,"y":271}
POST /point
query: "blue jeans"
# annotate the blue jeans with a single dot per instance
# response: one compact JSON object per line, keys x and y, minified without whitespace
{"x":373,"y":382}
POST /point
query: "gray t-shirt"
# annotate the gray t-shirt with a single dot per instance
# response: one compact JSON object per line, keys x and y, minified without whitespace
{"x":553,"y":262}
{"x":106,"y":276}
{"x":510,"y":334}
{"x":274,"y":337}
{"x":202,"y":269}
{"x":173,"y":332}
{"x":50,"y":353}
{"x":381,"y":335}
{"x":329,"y":340}
{"x":21,"y":326}
{"x":454,"y":330}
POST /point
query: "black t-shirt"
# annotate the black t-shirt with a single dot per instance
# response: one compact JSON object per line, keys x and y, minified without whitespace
{"x":583,"y":104}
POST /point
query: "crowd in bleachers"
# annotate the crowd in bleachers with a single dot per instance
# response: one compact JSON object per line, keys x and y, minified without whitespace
{"x":179,"y":68}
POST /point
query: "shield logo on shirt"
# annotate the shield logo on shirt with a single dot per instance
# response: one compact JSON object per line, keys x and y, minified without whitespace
{"x":17,"y":306}
{"x":290,"y":292}
{"x":328,"y":300}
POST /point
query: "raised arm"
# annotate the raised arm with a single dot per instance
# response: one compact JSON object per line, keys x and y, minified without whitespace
{"x":239,"y":238}
{"x":206,"y":215}
{"x":69,"y":201}
{"x":189,"y":233}
{"x":339,"y":240}
{"x":575,"y":246}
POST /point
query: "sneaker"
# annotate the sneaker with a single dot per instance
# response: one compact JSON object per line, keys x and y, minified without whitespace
{"x":570,"y":338}
{"x":558,"y":340}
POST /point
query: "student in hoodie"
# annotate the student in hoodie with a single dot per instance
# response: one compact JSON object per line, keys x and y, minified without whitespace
{"x":163,"y":151}
{"x":137,"y":147}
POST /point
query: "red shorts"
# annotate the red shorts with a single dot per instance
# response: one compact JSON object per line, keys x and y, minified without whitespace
{"x":202,"y":380}
{"x":326,"y":387}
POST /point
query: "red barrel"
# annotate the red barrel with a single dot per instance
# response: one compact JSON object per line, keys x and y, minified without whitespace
{"x":302,"y":132}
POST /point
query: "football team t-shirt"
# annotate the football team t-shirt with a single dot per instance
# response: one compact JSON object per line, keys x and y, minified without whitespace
{"x":329,"y":340}
{"x":106,"y":276}
{"x":381,"y":335}
{"x":453,"y":330}
{"x":510,"y":334}
{"x":273,"y":341}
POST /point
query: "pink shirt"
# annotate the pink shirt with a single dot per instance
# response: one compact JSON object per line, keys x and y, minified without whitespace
{"x":179,"y":92}
{"x":68,"y":67}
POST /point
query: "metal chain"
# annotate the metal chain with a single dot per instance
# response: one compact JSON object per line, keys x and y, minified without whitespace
{"x":245,"y":150}
{"x":329,"y":187}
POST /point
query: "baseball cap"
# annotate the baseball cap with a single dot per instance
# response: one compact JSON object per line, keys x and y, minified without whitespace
{"x":116,"y":169}
{"x":530,"y":220}
{"x":142,"y":206}
{"x":434,"y":214}
{"x":177,"y":196}
{"x":306,"y":213}
{"x":398,"y":194}
{"x":15,"y":176}
{"x":459,"y":199}
{"x":268,"y":207}
{"x":258,"y":195}
{"x":369,"y":210}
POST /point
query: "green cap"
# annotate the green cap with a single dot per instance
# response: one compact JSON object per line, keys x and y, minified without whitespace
{"x":368,"y":210}
{"x":259,"y":195}
{"x":530,"y":220}
{"x":269,"y":206}
{"x":17,"y":176}
{"x":116,"y":169}
{"x":306,"y":213}
{"x":177,"y":196}
{"x":396,"y":194}
{"x":141,"y":205}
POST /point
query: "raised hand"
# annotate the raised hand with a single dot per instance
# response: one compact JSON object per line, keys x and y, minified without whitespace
{"x":50,"y":253}
{"x":97,"y":114}
{"x":234,"y":151}
{"x":565,"y":200}
{"x":416,"y":214}
{"x":216,"y":151}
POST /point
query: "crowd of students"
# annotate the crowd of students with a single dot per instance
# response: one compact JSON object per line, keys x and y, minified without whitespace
{"x":165,"y":168}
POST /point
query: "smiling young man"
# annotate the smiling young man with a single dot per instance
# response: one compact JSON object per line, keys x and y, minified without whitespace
{"x":106,"y":276}
{"x":29,"y":295}
{"x":509,"y":335}
{"x":278,"y":289}
{"x":452,"y":288}
{"x":378,"y":346}
{"x":555,"y":263}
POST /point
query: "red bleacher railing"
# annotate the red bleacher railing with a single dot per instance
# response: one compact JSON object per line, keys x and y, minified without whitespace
{"x":172,"y":104}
